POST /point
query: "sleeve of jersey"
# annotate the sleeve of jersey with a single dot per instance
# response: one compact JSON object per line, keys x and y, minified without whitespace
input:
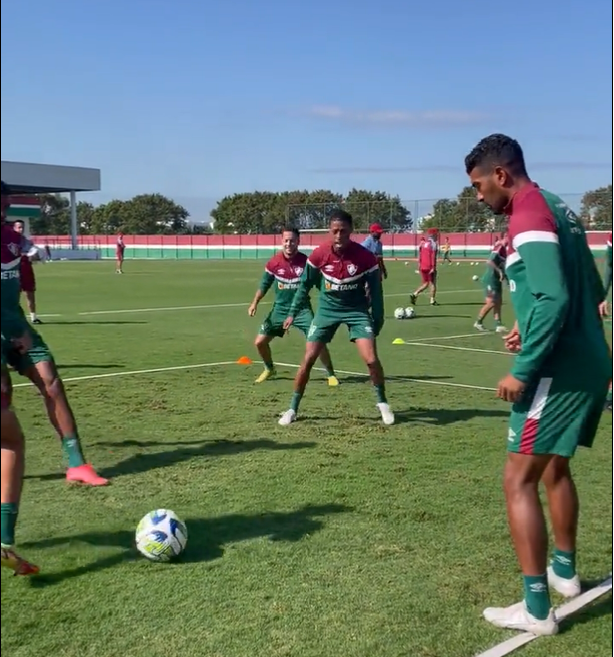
{"x":310,"y":278}
{"x":376,"y":293}
{"x":540,"y":253}
{"x":266,"y":281}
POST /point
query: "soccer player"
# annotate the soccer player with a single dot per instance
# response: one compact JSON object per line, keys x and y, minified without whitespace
{"x":446,"y":250}
{"x":36,"y":362}
{"x":492,"y":281}
{"x":13,"y":460}
{"x":343,"y":270}
{"x":559,"y":378}
{"x":284,"y":270}
{"x":120,"y":247}
{"x":603,"y":306}
{"x":427,"y":265}
{"x":373,"y":243}
{"x":28,"y":280}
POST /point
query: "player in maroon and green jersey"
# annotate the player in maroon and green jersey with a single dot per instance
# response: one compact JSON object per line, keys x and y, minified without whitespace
{"x":559,"y":378}
{"x":603,"y":308}
{"x":36,"y":363}
{"x":492,"y":281}
{"x":284,"y":270}
{"x":350,"y":283}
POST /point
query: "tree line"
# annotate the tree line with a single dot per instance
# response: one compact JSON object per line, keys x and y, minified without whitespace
{"x":267,"y":212}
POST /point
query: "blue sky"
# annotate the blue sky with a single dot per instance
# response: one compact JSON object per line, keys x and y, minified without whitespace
{"x":197,"y":100}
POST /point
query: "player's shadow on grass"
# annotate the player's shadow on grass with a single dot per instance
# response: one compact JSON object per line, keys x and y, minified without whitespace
{"x":359,"y":378}
{"x":207,"y":538}
{"x":598,"y":609}
{"x":443,"y":417}
{"x":181,"y":452}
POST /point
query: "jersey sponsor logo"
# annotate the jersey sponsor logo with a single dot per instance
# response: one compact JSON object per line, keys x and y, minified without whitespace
{"x":286,"y":286}
{"x":10,"y":274}
{"x":340,"y":287}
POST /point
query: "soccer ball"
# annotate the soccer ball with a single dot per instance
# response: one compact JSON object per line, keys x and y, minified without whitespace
{"x":161,"y":535}
{"x":399,"y":313}
{"x":475,"y":278}
{"x":410,"y":313}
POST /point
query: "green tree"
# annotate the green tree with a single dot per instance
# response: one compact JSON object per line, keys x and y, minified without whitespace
{"x":85,"y":216}
{"x":463,"y":214}
{"x":54,"y":217}
{"x":249,"y":213}
{"x":150,"y":214}
{"x":377,"y":207}
{"x":596,"y":208}
{"x":313,"y":209}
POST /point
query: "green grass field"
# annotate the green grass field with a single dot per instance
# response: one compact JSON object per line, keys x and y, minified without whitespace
{"x":334,"y":537}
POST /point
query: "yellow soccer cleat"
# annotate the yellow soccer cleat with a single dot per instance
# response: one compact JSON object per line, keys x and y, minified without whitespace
{"x":333,"y":381}
{"x":266,"y":375}
{"x":19,"y":566}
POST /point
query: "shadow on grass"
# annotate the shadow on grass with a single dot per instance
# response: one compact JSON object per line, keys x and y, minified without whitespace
{"x":364,"y":378}
{"x":108,"y":322}
{"x":444,"y":416}
{"x":92,"y":366}
{"x":207,"y":537}
{"x":600,"y":608}
{"x":181,"y":452}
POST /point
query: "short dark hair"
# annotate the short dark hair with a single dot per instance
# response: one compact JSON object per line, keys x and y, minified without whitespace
{"x":497,"y":151}
{"x":343,"y":216}
{"x":19,"y":221}
{"x":291,"y":229}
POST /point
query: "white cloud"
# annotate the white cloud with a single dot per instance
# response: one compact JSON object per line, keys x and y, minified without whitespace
{"x":436,"y":118}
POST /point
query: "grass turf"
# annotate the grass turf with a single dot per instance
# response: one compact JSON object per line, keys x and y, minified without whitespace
{"x":334,"y":537}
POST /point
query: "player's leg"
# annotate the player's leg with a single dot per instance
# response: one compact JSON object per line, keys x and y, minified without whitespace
{"x":313,"y":350}
{"x":28,"y":287}
{"x":424,"y":275}
{"x":367,"y":348}
{"x":433,"y":287}
{"x":303,"y":323}
{"x":119,"y":264}
{"x":12,"y":465}
{"x":271,"y":328}
{"x":38,"y":366}
{"x":484,"y":310}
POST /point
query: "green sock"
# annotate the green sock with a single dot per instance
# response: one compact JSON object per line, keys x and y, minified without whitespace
{"x":330,"y":371}
{"x":268,"y":365}
{"x":479,"y":320}
{"x":609,"y":397}
{"x":497,"y":322}
{"x":380,"y":392}
{"x":72,"y":450}
{"x":8,"y":517}
{"x":537,"y":595}
{"x":296,"y":401}
{"x":564,"y":563}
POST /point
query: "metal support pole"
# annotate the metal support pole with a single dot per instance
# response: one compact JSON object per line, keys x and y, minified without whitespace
{"x":74,"y":229}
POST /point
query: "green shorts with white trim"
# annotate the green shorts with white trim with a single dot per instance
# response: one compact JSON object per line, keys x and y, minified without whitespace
{"x":558,"y":414}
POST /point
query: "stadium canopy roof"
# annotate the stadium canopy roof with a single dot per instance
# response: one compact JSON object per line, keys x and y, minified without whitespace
{"x":28,"y":178}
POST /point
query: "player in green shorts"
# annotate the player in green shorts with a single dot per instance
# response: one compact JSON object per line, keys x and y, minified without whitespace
{"x":603,"y":306}
{"x":36,"y":362}
{"x":559,"y":378}
{"x":492,"y":281}
{"x":284,"y":270}
{"x":350,"y":283}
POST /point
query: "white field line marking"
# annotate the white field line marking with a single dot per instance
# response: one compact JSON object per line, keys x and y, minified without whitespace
{"x":177,"y":368}
{"x":458,"y":337}
{"x":448,"y":346}
{"x":155,"y":370}
{"x":564,"y":611}
{"x":214,"y":306}
{"x":404,"y":378}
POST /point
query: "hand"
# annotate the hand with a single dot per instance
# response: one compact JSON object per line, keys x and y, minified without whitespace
{"x":23,"y":344}
{"x":512,"y":340}
{"x":385,"y":274}
{"x":604,"y":311}
{"x":510,"y":389}
{"x":251,"y":311}
{"x":288,"y":323}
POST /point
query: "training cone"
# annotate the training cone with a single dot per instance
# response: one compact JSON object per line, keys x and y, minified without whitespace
{"x":244,"y":360}
{"x":398,"y":341}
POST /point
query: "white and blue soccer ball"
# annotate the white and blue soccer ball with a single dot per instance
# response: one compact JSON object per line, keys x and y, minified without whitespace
{"x":399,"y":313}
{"x":161,"y":535}
{"x":410,"y":313}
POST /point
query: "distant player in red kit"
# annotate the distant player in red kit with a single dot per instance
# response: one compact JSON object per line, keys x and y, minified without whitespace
{"x":427,"y":265}
{"x":28,"y":280}
{"x":120,"y":247}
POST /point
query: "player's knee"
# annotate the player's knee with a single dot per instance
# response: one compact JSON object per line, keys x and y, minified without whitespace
{"x":558,"y":470}
{"x":523,"y":471}
{"x":12,"y":436}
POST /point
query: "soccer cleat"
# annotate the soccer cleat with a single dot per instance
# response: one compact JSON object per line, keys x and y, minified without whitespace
{"x":36,"y":320}
{"x":480,"y":327}
{"x":412,"y":299}
{"x":266,"y":375}
{"x":434,"y":302}
{"x":19,"y":566}
{"x":386,"y":413}
{"x":517,"y":617}
{"x":85,"y":474}
{"x":568,"y":588}
{"x":501,"y":329}
{"x":332,"y":381}
{"x":287,"y":418}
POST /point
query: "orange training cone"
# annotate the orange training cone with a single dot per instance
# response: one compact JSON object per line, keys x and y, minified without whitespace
{"x":244,"y":360}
